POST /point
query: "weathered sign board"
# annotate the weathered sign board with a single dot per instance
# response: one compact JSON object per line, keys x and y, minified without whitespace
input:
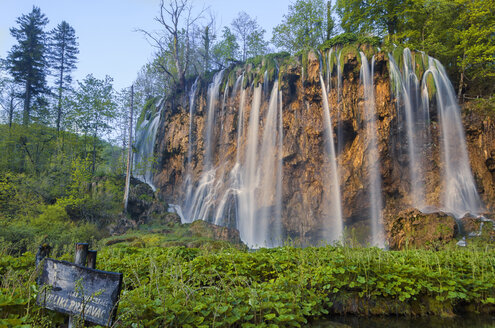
{"x":77,"y":290}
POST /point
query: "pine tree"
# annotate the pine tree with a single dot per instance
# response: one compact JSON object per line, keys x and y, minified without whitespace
{"x":62,"y":59}
{"x":27,"y":59}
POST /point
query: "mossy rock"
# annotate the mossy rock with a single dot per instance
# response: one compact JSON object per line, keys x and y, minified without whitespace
{"x":203,"y":229}
{"x":411,"y":228}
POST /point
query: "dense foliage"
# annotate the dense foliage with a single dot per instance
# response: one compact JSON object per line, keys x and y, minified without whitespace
{"x":48,"y":191}
{"x":308,"y":24}
{"x":286,"y":287}
{"x":459,"y":33}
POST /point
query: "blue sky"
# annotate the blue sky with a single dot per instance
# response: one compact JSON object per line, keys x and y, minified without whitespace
{"x":108,"y":44}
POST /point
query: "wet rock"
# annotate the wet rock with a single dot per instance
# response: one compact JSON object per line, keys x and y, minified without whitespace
{"x":205,"y":229}
{"x":122,"y":226}
{"x":411,"y":228}
{"x":141,"y":197}
{"x":303,"y":139}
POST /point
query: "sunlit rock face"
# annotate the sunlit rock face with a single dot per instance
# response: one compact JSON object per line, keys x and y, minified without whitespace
{"x":252,"y":151}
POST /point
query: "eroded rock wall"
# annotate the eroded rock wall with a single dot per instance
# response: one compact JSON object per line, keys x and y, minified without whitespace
{"x":303,"y":138}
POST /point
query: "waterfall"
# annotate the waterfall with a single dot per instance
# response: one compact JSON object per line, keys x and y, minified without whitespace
{"x":258,"y":195}
{"x":213,"y":94}
{"x":459,"y":194}
{"x":188,"y":179}
{"x":407,"y":97}
{"x":242,"y":181}
{"x":253,"y":187}
{"x":198,"y":202}
{"x":333,"y":225}
{"x":373,"y":156}
{"x":188,"y":183}
{"x":145,"y":143}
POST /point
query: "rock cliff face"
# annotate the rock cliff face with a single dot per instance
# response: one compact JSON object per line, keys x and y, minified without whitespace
{"x":181,"y":146}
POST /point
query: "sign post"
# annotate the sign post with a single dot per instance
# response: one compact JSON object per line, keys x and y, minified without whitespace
{"x":76,"y":290}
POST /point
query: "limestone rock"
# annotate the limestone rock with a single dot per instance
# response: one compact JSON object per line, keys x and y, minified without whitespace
{"x":303,"y":139}
{"x":412,"y":228}
{"x":205,"y":229}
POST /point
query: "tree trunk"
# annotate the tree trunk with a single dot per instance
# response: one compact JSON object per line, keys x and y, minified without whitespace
{"x":461,"y":83}
{"x":11,"y":111}
{"x":129,"y":155}
{"x":27,"y":105}
{"x":59,"y":107}
{"x":94,"y":151}
{"x":461,"y":80}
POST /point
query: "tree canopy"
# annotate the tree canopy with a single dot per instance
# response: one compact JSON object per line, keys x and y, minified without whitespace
{"x":306,"y":25}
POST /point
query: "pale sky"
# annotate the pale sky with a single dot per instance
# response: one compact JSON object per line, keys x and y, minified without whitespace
{"x":108,"y":44}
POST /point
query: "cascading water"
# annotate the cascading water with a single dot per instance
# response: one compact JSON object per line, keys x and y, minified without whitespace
{"x":253,"y":186}
{"x":242,"y":181}
{"x":258,"y":193}
{"x":198,"y":201}
{"x":407,"y":96}
{"x":373,"y":156}
{"x":333,"y":224}
{"x":188,"y":184}
{"x":460,"y":195}
{"x":145,"y":143}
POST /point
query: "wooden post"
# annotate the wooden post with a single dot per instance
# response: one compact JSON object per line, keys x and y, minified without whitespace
{"x":43,"y":251}
{"x":79,"y":259}
{"x":81,"y":253}
{"x":129,"y":155}
{"x":92,"y":259}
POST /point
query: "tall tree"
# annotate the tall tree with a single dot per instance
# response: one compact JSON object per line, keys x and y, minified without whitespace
{"x":207,"y":38}
{"x":256,"y":43}
{"x":249,"y":34}
{"x":93,"y":107}
{"x":304,"y":26}
{"x":27,"y":59}
{"x":62,"y":59}
{"x":330,"y":22}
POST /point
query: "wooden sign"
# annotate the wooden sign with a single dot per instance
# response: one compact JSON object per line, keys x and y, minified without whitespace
{"x":77,"y":290}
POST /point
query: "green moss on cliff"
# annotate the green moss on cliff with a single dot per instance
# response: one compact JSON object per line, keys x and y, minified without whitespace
{"x":148,"y":110}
